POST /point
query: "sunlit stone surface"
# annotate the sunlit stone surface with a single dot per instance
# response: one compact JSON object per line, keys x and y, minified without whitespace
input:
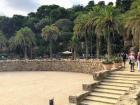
{"x":36,"y":88}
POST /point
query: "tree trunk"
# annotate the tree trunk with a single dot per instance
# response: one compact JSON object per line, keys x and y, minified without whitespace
{"x":91,"y":47}
{"x":86,"y":42}
{"x":31,"y":52}
{"x":97,"y":47}
{"x":74,"y":53}
{"x":25,"y":52}
{"x":51,"y":49}
{"x":109,"y":46}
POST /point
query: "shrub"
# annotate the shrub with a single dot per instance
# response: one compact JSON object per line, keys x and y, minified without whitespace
{"x":117,"y":60}
{"x":106,"y":61}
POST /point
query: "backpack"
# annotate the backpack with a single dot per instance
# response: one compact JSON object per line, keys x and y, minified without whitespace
{"x":124,"y":56}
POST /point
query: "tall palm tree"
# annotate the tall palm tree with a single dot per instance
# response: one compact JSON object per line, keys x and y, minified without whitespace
{"x":24,"y":38}
{"x":132,"y":21}
{"x":50,"y":33}
{"x":93,"y":15}
{"x":81,"y":29}
{"x":74,"y":45}
{"x":3,"y":40}
{"x":107,"y":22}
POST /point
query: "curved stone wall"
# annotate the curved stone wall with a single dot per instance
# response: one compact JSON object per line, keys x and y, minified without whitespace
{"x":86,"y":66}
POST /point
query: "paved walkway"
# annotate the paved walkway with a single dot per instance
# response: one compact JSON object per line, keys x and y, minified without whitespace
{"x":127,"y":69}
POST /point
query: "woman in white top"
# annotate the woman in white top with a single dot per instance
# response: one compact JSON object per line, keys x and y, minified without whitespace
{"x":138,"y":60}
{"x":132,"y":62}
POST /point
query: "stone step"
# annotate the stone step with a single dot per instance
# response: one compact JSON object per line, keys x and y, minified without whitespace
{"x":88,"y":102}
{"x":117,"y":92}
{"x":116,"y":84}
{"x":120,"y":81}
{"x":113,"y":87}
{"x":101,"y":99}
{"x":106,"y":95}
{"x":122,"y":78}
{"x":125,"y":73}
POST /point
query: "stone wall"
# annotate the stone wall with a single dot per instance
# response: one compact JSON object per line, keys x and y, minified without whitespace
{"x":52,"y":65}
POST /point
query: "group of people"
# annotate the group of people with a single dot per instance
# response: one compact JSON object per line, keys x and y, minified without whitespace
{"x":132,"y":58}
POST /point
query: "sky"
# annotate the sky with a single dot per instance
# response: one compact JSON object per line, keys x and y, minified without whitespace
{"x":23,"y":7}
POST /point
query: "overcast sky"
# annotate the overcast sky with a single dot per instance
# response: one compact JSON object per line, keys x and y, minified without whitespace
{"x":23,"y":7}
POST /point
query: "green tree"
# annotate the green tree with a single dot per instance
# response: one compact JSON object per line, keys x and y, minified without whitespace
{"x":64,"y":25}
{"x":50,"y":33}
{"x":3,"y":40}
{"x":42,"y":23}
{"x":108,"y":23}
{"x":90,"y":5}
{"x":123,"y":5}
{"x":11,"y":43}
{"x":81,"y":29}
{"x":74,"y":45}
{"x":132,"y":21}
{"x":94,"y":29}
{"x":24,"y":38}
{"x":101,"y":3}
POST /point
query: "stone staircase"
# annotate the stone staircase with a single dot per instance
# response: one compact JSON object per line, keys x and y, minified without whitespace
{"x":112,"y":88}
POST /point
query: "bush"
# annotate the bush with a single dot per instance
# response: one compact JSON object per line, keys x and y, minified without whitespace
{"x":117,"y":60}
{"x":107,"y":61}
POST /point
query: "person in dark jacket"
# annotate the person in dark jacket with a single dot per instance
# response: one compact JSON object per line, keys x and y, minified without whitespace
{"x":124,"y":58}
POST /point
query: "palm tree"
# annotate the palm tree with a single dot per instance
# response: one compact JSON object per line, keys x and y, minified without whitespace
{"x":24,"y":38}
{"x":93,"y":15}
{"x":3,"y":40}
{"x":74,"y":45}
{"x":81,"y":29}
{"x":86,"y":24}
{"x":107,"y":23}
{"x":50,"y":33}
{"x":132,"y":21}
{"x":11,"y":43}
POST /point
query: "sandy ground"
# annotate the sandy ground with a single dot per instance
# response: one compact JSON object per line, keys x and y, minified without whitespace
{"x":36,"y":88}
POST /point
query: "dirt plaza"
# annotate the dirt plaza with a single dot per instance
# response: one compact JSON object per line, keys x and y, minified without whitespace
{"x":36,"y":88}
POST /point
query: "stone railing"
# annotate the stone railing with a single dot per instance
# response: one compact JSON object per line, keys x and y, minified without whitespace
{"x":88,"y":88}
{"x":81,"y":66}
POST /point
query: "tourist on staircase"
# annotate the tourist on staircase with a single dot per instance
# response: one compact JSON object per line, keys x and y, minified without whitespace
{"x":124,"y":58}
{"x":132,"y":62}
{"x":138,"y":61}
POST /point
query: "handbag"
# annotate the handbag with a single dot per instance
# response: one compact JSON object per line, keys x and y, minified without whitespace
{"x":129,"y":61}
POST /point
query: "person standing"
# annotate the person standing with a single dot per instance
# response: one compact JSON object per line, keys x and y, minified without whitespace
{"x":51,"y":102}
{"x":138,"y":61}
{"x":124,"y":57}
{"x":132,"y":62}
